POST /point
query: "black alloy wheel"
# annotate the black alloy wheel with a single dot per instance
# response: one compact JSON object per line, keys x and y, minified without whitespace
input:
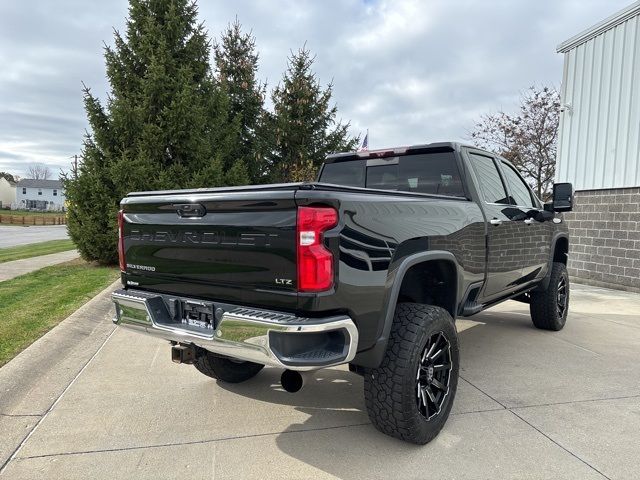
{"x":432,"y":378}
{"x":562,"y":297}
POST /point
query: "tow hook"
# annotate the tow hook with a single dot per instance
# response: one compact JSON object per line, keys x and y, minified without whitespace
{"x":183,"y":354}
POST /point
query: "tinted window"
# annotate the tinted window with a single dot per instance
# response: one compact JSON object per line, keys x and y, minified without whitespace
{"x":383,"y":177}
{"x":519,"y":190}
{"x":350,"y":173}
{"x":489,"y":180}
{"x":432,"y":173}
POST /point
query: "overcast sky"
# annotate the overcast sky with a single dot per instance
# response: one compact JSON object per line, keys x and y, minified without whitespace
{"x":409,"y":71}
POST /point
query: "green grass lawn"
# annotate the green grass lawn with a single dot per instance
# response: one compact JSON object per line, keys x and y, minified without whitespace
{"x":35,"y":249}
{"x":32,"y":213}
{"x":32,"y":304}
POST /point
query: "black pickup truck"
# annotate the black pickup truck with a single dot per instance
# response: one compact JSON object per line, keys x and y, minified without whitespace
{"x":369,"y":266}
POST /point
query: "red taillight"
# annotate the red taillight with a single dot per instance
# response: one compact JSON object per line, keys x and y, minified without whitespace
{"x":123,"y":263}
{"x":315,"y":262}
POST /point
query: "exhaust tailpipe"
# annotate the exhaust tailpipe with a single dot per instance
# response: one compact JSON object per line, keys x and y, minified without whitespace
{"x":292,"y":381}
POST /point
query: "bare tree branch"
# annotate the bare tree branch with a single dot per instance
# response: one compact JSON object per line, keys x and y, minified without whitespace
{"x":527,"y":139}
{"x":39,"y":171}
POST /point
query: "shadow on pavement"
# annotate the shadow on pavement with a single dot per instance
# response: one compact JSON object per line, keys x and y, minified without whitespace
{"x":353,"y":449}
{"x":329,"y":395}
{"x":504,"y":356}
{"x":328,"y":390}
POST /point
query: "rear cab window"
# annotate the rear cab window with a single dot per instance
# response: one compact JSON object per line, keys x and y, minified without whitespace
{"x":350,"y":174}
{"x":427,"y":173}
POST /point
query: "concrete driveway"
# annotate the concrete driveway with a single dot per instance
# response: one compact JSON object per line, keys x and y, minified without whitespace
{"x":530,"y":404}
{"x":14,"y":235}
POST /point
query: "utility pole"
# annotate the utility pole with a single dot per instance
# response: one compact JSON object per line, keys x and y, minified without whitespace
{"x":74,"y":165}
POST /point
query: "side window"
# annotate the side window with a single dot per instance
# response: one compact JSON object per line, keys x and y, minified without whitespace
{"x":519,"y":191}
{"x":489,"y":180}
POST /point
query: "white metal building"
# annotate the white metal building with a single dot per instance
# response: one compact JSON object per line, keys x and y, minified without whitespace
{"x":599,"y":149}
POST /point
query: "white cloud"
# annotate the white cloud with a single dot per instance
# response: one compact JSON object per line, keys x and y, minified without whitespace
{"x":392,"y":25}
{"x":411,"y":71}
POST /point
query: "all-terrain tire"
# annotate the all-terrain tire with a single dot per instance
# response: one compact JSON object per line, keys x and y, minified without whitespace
{"x":545,"y":307}
{"x":391,"y":390}
{"x":225,"y":369}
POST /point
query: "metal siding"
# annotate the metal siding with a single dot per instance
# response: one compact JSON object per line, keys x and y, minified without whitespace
{"x":591,"y":104}
{"x":633,"y":118}
{"x":599,"y":142}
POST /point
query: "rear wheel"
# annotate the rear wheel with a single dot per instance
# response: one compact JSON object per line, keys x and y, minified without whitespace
{"x":549,"y":308}
{"x":409,"y":396}
{"x":225,"y":369}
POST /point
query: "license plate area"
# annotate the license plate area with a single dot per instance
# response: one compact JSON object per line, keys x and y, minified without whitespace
{"x":197,"y":314}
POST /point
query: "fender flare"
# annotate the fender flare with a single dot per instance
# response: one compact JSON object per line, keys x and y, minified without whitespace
{"x":373,"y":356}
{"x":544,"y":283}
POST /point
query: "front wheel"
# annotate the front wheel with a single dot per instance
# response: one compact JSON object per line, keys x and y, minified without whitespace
{"x":225,"y":369}
{"x":409,"y":396}
{"x":549,"y":308}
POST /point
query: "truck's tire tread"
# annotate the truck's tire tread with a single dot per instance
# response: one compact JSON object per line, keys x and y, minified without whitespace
{"x":225,"y":369}
{"x":543,"y":306}
{"x":390,"y":388}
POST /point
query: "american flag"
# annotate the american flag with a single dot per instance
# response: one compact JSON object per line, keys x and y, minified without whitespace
{"x":365,"y":143}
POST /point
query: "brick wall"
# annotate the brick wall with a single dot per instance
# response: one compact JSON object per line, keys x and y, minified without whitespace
{"x":604,"y":248}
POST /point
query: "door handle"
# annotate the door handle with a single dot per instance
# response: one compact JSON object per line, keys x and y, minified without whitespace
{"x":529,"y":221}
{"x":495,"y":221}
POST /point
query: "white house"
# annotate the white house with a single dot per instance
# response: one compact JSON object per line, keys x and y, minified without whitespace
{"x":599,"y":149}
{"x":7,"y":193}
{"x":39,"y":194}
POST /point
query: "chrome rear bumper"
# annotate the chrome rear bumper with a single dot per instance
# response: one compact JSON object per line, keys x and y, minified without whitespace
{"x":260,"y":336}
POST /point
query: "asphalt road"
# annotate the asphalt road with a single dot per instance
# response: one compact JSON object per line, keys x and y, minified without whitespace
{"x":14,"y":235}
{"x":530,"y":404}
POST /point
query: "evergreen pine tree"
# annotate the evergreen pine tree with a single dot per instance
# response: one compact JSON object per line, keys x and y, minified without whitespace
{"x":164,"y":125}
{"x":236,"y":62}
{"x":304,"y":125}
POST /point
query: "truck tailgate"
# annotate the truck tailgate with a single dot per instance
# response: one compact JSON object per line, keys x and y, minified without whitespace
{"x":235,"y":245}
